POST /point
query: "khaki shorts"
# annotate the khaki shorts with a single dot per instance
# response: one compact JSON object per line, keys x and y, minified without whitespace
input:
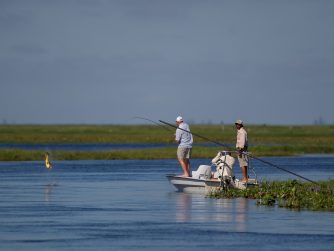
{"x":183,"y":153}
{"x":243,"y":161}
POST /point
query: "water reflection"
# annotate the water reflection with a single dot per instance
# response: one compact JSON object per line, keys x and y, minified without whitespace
{"x":183,"y":207}
{"x":241,"y":215}
{"x":231,"y":212}
{"x":48,"y":189}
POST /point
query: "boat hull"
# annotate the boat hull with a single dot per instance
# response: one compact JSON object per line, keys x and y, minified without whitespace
{"x":189,"y":184}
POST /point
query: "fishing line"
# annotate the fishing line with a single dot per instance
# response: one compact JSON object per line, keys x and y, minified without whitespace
{"x":152,"y":121}
{"x":251,"y":156}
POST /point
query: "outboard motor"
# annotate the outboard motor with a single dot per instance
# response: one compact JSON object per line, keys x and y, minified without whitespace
{"x":224,"y":165}
{"x":203,"y":172}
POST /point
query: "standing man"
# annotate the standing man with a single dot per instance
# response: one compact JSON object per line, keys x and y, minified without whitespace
{"x":242,"y":146}
{"x":185,"y":140}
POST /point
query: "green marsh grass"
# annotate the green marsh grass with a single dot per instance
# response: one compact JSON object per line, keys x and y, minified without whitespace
{"x":264,"y":140}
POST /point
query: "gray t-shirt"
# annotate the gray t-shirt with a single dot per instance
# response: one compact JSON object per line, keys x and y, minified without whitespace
{"x":184,"y":138}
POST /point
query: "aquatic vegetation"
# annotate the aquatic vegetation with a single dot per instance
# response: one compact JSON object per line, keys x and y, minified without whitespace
{"x":265,"y":140}
{"x":260,"y":135}
{"x":291,"y":194}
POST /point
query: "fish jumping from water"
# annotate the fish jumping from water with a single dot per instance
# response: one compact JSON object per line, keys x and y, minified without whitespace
{"x":47,"y":161}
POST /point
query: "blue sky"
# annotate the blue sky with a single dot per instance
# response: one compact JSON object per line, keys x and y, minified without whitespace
{"x":100,"y":61}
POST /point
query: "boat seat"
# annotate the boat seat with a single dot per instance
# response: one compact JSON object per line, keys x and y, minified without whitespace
{"x":203,"y":172}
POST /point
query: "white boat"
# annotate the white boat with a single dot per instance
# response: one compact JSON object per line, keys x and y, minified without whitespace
{"x":204,"y":180}
{"x":190,"y":184}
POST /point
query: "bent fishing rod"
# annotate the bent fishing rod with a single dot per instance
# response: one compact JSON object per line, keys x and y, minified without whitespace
{"x":251,"y":156}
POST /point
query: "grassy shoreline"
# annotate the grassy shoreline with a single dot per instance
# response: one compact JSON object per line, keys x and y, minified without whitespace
{"x":264,"y":140}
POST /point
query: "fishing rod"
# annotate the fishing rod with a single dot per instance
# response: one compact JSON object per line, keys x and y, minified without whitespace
{"x":152,"y":121}
{"x":251,"y":156}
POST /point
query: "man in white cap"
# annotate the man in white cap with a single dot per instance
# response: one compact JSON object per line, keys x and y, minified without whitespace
{"x":185,"y":140}
{"x":242,"y":145}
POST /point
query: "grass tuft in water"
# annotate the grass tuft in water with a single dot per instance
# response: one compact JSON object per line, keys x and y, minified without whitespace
{"x":291,"y":194}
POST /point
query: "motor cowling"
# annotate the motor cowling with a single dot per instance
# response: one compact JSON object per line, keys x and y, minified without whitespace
{"x":224,"y":165}
{"x":203,"y":172}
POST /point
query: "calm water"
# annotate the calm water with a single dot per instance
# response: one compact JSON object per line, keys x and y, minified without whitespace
{"x":129,"y":205}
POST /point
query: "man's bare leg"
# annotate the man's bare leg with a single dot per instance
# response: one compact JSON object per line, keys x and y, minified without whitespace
{"x":185,"y":166}
{"x":244,"y":174}
{"x":188,"y":166}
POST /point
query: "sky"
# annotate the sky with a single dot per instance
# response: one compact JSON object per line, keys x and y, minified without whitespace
{"x":214,"y":61}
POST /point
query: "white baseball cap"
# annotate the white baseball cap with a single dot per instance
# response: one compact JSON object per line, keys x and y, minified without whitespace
{"x":239,"y":122}
{"x":179,"y":119}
